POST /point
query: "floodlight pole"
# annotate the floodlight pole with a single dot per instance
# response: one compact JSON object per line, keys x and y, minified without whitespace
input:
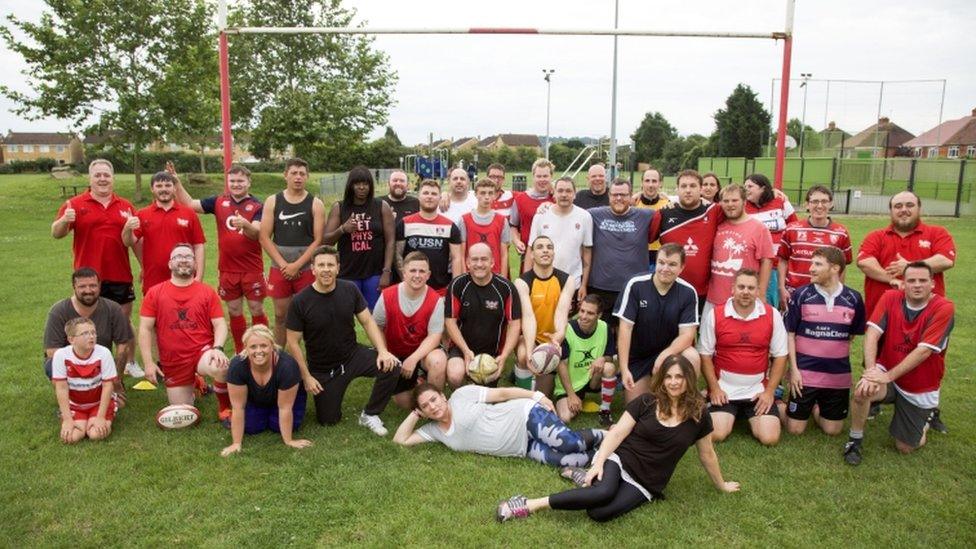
{"x":548,"y":73}
{"x":228,"y":139}
{"x":612,"y":159}
{"x":784,"y":97}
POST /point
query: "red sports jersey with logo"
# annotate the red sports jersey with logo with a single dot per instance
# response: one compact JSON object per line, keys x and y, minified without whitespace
{"x":929,"y":327}
{"x":776,"y":215}
{"x":160,"y":231}
{"x":98,"y":236}
{"x":85,"y":376}
{"x":405,"y":333}
{"x":237,"y":252}
{"x":503,"y":206}
{"x":694,"y":230}
{"x":490,"y":234}
{"x":885,"y":245}
{"x":742,"y":346}
{"x":527,"y":206}
{"x":183,"y":320}
{"x":801,"y":239}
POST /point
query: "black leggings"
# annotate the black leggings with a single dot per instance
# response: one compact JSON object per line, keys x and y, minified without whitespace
{"x":605,"y":500}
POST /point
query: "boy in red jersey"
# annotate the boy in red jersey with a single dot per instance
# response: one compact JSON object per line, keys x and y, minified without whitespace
{"x":483,"y":224}
{"x":904,"y":361}
{"x":526,"y":203}
{"x":83,"y":374}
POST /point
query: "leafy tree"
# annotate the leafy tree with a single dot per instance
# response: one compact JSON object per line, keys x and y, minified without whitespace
{"x":741,"y":124}
{"x":392,"y":136}
{"x":312,"y":93}
{"x":111,"y":63}
{"x":651,"y":137}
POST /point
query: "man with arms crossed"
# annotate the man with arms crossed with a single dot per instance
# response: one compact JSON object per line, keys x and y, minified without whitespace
{"x":737,"y":339}
{"x":97,"y":217}
{"x":190,"y":332}
{"x":904,"y":361}
{"x":289,"y":235}
{"x":821,"y":319}
{"x":411,"y":316}
{"x":239,"y":264}
{"x":322,"y":315}
{"x":658,"y":315}
{"x":434,"y":235}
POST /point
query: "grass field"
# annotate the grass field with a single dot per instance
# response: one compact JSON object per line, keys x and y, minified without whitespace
{"x":145,"y":487}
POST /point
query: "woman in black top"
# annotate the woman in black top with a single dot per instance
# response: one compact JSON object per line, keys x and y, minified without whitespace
{"x":364,"y":229}
{"x":265,"y":391}
{"x":639,"y":455}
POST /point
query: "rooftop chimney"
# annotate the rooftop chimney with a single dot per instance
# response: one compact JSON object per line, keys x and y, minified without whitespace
{"x":883,"y":120}
{"x":974,"y":112}
{"x":833,"y":126}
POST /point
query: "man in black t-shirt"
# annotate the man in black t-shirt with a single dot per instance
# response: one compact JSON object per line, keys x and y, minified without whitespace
{"x":402,"y":205}
{"x":482,"y":315}
{"x":433,"y":234}
{"x":322,"y":314}
{"x":596,"y":194}
{"x":659,"y":318}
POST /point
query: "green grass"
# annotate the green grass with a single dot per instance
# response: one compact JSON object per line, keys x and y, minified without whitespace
{"x":146,"y":487}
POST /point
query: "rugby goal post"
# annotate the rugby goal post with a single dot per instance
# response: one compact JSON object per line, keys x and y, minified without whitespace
{"x":786,"y":35}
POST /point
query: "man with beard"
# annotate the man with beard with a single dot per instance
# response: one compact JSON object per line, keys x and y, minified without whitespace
{"x":741,"y":242}
{"x":111,"y":324}
{"x":239,"y":264}
{"x":596,"y":194}
{"x":190,"y":332}
{"x":96,"y":217}
{"x":432,"y":234}
{"x":159,"y":227}
{"x":399,"y":201}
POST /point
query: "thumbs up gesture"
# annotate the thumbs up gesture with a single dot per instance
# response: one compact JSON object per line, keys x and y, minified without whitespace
{"x":69,"y":213}
{"x":132,"y":223}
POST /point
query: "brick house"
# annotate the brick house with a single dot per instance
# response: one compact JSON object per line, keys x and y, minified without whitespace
{"x":64,"y":148}
{"x":878,"y":140}
{"x":951,"y":139}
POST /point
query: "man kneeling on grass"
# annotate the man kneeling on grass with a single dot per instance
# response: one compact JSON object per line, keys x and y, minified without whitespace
{"x":504,"y":422}
{"x":83,"y":374}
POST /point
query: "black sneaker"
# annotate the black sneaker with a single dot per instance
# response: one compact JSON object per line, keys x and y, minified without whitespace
{"x":852,"y":452}
{"x":606,"y":419}
{"x":935,"y":423}
{"x":874,"y":411}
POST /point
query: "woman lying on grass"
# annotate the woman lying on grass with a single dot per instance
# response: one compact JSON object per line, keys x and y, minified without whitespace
{"x":639,"y":455}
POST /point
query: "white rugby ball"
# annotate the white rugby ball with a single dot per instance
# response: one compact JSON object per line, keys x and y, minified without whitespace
{"x":481,"y":368}
{"x":544,"y":359}
{"x":177,"y":416}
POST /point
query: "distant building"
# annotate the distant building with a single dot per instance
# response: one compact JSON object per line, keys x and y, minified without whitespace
{"x":833,"y":137}
{"x":511,"y":140}
{"x":951,"y":139}
{"x":64,"y":148}
{"x":464,"y":143}
{"x":881,"y":140}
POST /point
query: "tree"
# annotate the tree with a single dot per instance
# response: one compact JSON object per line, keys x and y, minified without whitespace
{"x":111,"y":63}
{"x":311,"y":93}
{"x":741,"y":124}
{"x":651,"y":137}
{"x":392,"y":136}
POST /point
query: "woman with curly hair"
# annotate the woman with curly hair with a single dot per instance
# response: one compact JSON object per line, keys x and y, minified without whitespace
{"x":639,"y":455}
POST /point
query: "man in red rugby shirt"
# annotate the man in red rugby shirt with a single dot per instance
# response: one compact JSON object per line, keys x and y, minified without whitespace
{"x":904,"y":361}
{"x":241,"y":267}
{"x":160,"y":226}
{"x":190,"y":330}
{"x":526,"y":203}
{"x":96,"y":217}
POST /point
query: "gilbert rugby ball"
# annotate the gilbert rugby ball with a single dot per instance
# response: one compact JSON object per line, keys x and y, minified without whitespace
{"x":545,"y":359}
{"x":177,"y":416}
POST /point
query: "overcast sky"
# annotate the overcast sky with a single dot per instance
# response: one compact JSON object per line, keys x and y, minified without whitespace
{"x":460,"y":85}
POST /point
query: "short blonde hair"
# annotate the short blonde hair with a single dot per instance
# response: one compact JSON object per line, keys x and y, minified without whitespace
{"x":543,"y":163}
{"x":258,"y":330}
{"x":71,"y":327}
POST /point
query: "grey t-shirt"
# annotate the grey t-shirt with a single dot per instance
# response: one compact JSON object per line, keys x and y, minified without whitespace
{"x":110,"y":324}
{"x":491,"y":429}
{"x":410,"y":306}
{"x":619,"y":246}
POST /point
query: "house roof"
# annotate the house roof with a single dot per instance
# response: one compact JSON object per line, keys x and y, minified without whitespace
{"x":520,"y":140}
{"x":37,"y":138}
{"x":883,"y":134}
{"x":457,"y":143}
{"x":101,"y":138}
{"x":488,"y":141}
{"x":961,"y":131}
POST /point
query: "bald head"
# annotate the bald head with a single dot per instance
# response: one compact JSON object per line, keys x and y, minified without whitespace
{"x":596,"y":176}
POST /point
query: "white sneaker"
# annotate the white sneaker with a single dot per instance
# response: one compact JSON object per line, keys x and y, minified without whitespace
{"x":133,"y":370}
{"x":374,"y":423}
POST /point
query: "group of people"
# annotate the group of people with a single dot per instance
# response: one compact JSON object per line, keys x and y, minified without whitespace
{"x":650,"y":290}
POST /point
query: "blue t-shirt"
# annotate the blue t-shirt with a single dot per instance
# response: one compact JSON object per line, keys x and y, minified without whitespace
{"x":284,"y":375}
{"x":656,"y":318}
{"x":619,"y":246}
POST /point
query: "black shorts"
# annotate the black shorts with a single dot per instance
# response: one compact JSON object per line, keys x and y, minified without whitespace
{"x":909,"y":421}
{"x":408,"y":383}
{"x":586,"y":390}
{"x":608,"y":299}
{"x":641,"y":368}
{"x":833,"y":404}
{"x":741,"y":409}
{"x":119,"y":292}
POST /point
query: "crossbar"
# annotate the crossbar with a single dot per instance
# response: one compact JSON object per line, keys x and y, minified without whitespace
{"x":778,"y":35}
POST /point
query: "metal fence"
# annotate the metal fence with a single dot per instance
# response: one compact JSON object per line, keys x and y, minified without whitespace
{"x":945,"y":186}
{"x":335,"y":184}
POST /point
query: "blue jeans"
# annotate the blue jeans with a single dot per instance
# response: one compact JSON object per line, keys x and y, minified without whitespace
{"x":258,"y":419}
{"x":370,"y":288}
{"x":551,"y":442}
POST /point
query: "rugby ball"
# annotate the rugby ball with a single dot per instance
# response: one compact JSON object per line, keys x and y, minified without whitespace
{"x":544,"y":359}
{"x":177,"y":416}
{"x":481,"y":368}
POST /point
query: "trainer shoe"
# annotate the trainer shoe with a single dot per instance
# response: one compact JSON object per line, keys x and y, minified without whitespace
{"x":575,"y":474}
{"x":512,"y":508}
{"x":852,"y":452}
{"x":606,"y":419}
{"x":935,"y":422}
{"x":133,"y":369}
{"x":374,"y":423}
{"x":874,"y":411}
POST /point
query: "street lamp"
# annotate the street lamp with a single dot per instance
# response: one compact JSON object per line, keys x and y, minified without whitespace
{"x":806,"y":76}
{"x":548,"y":73}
